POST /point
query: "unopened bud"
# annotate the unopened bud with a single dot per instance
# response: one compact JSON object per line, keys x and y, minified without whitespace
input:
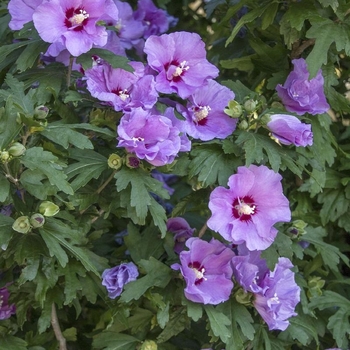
{"x":234,"y":109}
{"x":298,"y":228}
{"x":132,"y":161}
{"x":37,"y":220}
{"x":22,"y":224}
{"x":17,"y":149}
{"x":315,"y":285}
{"x":41,"y":112}
{"x":243,"y":297}
{"x":265,"y":119}
{"x":4,"y":156}
{"x":149,"y":345}
{"x":250,"y":105}
{"x":115,"y":161}
{"x":47,"y":208}
{"x":243,"y":125}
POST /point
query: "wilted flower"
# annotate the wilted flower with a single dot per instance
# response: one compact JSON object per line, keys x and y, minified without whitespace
{"x":6,"y":310}
{"x":179,"y":58}
{"x":275,"y":292}
{"x":290,"y":130}
{"x":204,"y":113}
{"x":247,"y":211}
{"x":207,"y":270}
{"x":73,"y":25}
{"x":301,"y":95}
{"x":151,"y":137}
{"x":181,"y":230}
{"x":116,"y":278}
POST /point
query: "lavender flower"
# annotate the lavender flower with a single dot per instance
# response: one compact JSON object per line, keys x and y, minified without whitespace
{"x":205,"y":117}
{"x":6,"y":310}
{"x":301,"y":95}
{"x":179,"y":58}
{"x":207,"y":270}
{"x":290,"y":130}
{"x":181,"y":230}
{"x":122,"y":89}
{"x":275,"y":292}
{"x":73,"y":24}
{"x":21,"y":12}
{"x":150,"y":136}
{"x":116,"y":278}
{"x":247,"y":211}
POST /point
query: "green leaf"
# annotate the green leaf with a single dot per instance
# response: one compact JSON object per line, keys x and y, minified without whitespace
{"x":269,"y":15}
{"x":158,"y":274}
{"x":114,"y":60}
{"x":37,"y":184}
{"x":194,"y":310}
{"x":4,"y":188}
{"x":333,"y":3}
{"x":243,"y":64}
{"x":9,"y":342}
{"x":115,"y":341}
{"x":177,"y":323}
{"x":9,"y":128}
{"x":240,"y":90}
{"x":218,"y":323}
{"x":7,"y":233}
{"x":241,"y":316}
{"x":36,"y":158}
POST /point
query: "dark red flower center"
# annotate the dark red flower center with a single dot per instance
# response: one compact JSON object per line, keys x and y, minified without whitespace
{"x":178,"y":70}
{"x":243,"y":208}
{"x":76,"y":18}
{"x":123,"y":94}
{"x":200,"y":114}
{"x":199,"y":271}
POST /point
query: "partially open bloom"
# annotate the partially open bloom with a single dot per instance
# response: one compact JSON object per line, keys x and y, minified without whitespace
{"x":179,"y":58}
{"x":6,"y":310}
{"x":290,"y":130}
{"x":301,"y":95}
{"x":73,"y":24}
{"x":181,"y":230}
{"x":150,"y":136}
{"x":275,"y":292}
{"x":116,"y":278}
{"x":207,"y":270}
{"x":122,"y":89}
{"x":205,"y":117}
{"x":21,"y":12}
{"x":247,"y":211}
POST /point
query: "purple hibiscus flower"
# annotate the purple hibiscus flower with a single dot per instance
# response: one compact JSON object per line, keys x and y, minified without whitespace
{"x":181,"y":230}
{"x":180,"y":60}
{"x":122,"y":89}
{"x":6,"y":310}
{"x":301,"y":95}
{"x":73,"y":24}
{"x":275,"y":292}
{"x":290,"y":130}
{"x":21,"y":12}
{"x":116,"y":278}
{"x":207,"y":270}
{"x":247,"y":211}
{"x":150,"y":136}
{"x":155,"y":21}
{"x":205,"y":117}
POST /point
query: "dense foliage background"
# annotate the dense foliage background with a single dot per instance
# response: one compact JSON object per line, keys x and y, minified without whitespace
{"x":99,"y":215}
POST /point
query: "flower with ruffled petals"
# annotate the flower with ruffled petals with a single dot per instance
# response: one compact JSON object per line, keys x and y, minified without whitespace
{"x":205,"y":117}
{"x":179,"y":58}
{"x":152,"y":137}
{"x":73,"y":24}
{"x":301,"y":95}
{"x":181,"y":230}
{"x":290,"y":130}
{"x":207,"y":270}
{"x":6,"y":310}
{"x":247,"y":211}
{"x":21,"y":12}
{"x":116,"y":278}
{"x":275,"y":292}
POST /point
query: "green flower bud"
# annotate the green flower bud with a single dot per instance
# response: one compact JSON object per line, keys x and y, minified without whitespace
{"x":315,"y":285}
{"x":37,"y":220}
{"x":149,"y":345}
{"x":298,"y":228}
{"x":115,"y":161}
{"x":243,"y":125}
{"x":265,"y":119}
{"x":277,"y":105}
{"x":234,"y":109}
{"x":41,"y":112}
{"x":17,"y":149}
{"x":242,"y":297}
{"x":47,"y":208}
{"x":4,"y":156}
{"x":132,"y":161}
{"x":250,"y":105}
{"x":22,"y":224}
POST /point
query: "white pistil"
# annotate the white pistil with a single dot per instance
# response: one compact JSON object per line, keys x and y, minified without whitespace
{"x":138,"y":139}
{"x":123,"y":95}
{"x":202,"y":113}
{"x":79,"y":18}
{"x":179,"y":70}
{"x":275,"y":299}
{"x":244,"y":208}
{"x":199,"y":274}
